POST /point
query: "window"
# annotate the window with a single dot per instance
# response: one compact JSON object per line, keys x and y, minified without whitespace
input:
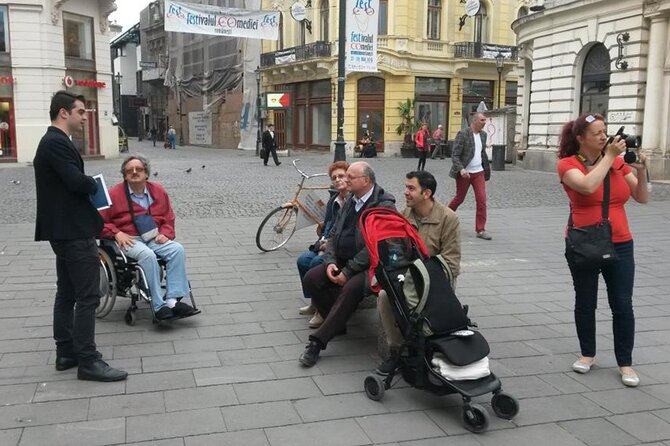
{"x":481,"y":25}
{"x":596,"y":81}
{"x":383,"y":25}
{"x":434,"y":13}
{"x":432,"y":101}
{"x":510,"y":92}
{"x":78,"y":35}
{"x":325,"y":18}
{"x":474,"y":93}
{"x":4,"y":30}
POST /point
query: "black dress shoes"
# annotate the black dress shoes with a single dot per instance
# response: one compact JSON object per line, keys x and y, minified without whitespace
{"x":164,"y":312}
{"x":64,"y":363}
{"x":99,"y":370}
{"x":182,"y":309}
{"x":311,"y":354}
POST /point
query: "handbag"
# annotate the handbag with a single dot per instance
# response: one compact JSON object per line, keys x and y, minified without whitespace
{"x":487,"y":168}
{"x":145,"y":223}
{"x":591,"y":247}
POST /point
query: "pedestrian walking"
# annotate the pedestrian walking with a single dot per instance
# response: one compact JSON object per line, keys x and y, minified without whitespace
{"x":591,"y":170}
{"x":153,"y":133}
{"x":172,"y":138}
{"x":67,"y":219}
{"x":270,"y":145}
{"x":470,"y":167}
{"x":438,"y":137}
{"x":423,"y":145}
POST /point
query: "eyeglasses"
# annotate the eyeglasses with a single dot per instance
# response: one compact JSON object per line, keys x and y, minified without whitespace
{"x":135,"y":169}
{"x":349,"y":177}
{"x":338,"y":177}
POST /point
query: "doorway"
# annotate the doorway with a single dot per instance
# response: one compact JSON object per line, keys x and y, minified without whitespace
{"x":370,"y":110}
{"x":7,"y":135}
{"x":86,"y":139}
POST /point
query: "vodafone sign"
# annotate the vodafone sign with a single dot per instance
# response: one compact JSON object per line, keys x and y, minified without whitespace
{"x":70,"y":82}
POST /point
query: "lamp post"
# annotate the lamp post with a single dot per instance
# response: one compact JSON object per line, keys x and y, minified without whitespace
{"x":257,"y":72}
{"x":340,"y":154}
{"x":118,"y":78}
{"x":500,"y":60}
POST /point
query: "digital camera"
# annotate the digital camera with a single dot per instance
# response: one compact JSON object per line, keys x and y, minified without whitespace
{"x":632,"y":142}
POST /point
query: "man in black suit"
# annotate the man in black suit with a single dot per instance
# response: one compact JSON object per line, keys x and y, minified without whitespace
{"x":270,"y":145}
{"x":67,"y":218}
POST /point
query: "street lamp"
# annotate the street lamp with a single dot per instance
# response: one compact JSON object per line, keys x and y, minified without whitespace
{"x":257,"y":72}
{"x":118,"y":78}
{"x":340,"y":154}
{"x":500,"y":61}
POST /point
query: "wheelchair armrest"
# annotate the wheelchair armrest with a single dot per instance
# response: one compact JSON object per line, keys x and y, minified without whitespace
{"x":114,"y":248}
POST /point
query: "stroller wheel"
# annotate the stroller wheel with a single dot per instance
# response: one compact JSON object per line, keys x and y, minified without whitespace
{"x":374,"y":387}
{"x":504,"y":405}
{"x":475,"y":418}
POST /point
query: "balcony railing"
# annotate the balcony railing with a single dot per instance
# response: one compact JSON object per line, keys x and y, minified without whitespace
{"x":478,"y":50}
{"x":296,"y":54}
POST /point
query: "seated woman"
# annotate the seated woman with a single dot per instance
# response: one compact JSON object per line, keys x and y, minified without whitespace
{"x":138,"y":197}
{"x":365,"y":140}
{"x":309,"y":259}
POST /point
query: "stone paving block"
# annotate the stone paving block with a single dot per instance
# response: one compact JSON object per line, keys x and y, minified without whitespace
{"x":557,"y":408}
{"x":269,"y":339}
{"x":342,"y":364}
{"x":254,"y":416}
{"x":291,"y":352}
{"x":227,"y":308}
{"x":73,"y":389}
{"x":24,"y":375}
{"x":199,"y":398}
{"x":10,"y":437}
{"x":410,"y":399}
{"x":546,"y":435}
{"x":459,"y":440}
{"x":125,"y":405}
{"x":230,"y":330}
{"x":399,"y":427}
{"x":646,"y":427}
{"x":36,"y":414}
{"x":152,"y":382}
{"x":341,"y":382}
{"x":662,"y":414}
{"x":93,"y":433}
{"x":660,"y":391}
{"x":168,"y":442}
{"x":143,"y":350}
{"x":527,"y":387}
{"x":232,"y":374}
{"x":180,"y":362}
{"x":17,"y":394}
{"x":208,"y":345}
{"x":563,"y":382}
{"x":256,"y":316}
{"x":625,"y":400}
{"x":293,"y":369}
{"x":250,"y":356}
{"x":598,"y":432}
{"x":19,"y":345}
{"x":188,"y":422}
{"x":338,"y":406}
{"x":247,"y":438}
{"x":325,"y":433}
{"x":285,"y":389}
{"x":449,"y":418}
{"x":655,"y":373}
{"x":284,"y":325}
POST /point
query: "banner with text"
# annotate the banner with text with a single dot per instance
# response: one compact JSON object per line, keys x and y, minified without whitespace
{"x":205,"y":19}
{"x":362,"y":20}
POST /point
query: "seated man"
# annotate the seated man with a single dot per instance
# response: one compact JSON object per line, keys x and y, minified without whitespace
{"x":148,"y":198}
{"x":338,"y":285}
{"x":439,"y":228}
{"x":337,"y":172}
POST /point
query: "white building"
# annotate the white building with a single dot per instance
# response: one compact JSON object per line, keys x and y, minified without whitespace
{"x":604,"y":56}
{"x":46,"y":46}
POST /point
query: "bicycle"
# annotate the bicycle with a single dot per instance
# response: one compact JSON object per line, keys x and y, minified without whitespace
{"x":278,"y":226}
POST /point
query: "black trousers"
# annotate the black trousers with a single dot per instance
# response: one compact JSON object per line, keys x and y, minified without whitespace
{"x":422,"y":159}
{"x":336,"y":304}
{"x":77,"y":297}
{"x":267,"y":155}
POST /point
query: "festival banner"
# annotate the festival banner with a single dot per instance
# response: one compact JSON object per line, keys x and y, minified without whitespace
{"x":213,"y":20}
{"x":362,"y":21}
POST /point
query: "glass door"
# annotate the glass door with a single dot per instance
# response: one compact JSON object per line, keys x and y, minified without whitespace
{"x":7,"y":136}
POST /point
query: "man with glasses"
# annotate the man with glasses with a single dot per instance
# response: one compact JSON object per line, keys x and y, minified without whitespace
{"x":67,"y":219}
{"x":148,"y":198}
{"x":338,"y":285}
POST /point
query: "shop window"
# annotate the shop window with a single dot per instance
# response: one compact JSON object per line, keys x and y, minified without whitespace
{"x":434,"y":14}
{"x":596,"y":81}
{"x":510,"y":92}
{"x":474,"y":93}
{"x":383,"y":24}
{"x":325,"y":19}
{"x":4,"y":30}
{"x":431,"y":86}
{"x":321,"y":89}
{"x":371,"y":85}
{"x":432,"y":101}
{"x":321,"y":122}
{"x":78,"y":34}
{"x":481,"y":25}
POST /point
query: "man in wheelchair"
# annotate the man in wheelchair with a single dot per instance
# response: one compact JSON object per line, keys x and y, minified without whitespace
{"x":141,"y":221}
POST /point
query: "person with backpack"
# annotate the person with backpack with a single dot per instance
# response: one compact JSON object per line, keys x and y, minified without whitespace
{"x":439,"y":229}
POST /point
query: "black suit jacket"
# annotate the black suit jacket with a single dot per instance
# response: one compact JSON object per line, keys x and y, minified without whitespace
{"x":64,"y":207}
{"x":269,"y":142}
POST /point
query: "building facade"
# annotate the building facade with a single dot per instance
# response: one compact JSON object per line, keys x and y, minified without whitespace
{"x":423,"y":55}
{"x":129,"y":103}
{"x":50,"y":45}
{"x":601,"y":56}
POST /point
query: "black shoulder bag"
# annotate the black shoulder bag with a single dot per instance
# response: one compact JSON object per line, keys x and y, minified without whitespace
{"x":591,"y":247}
{"x":145,"y":224}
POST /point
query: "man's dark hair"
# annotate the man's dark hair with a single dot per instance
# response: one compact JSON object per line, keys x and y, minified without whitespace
{"x":426,"y":180}
{"x":63,"y":99}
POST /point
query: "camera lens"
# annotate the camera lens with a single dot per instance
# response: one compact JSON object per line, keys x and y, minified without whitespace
{"x":632,"y":141}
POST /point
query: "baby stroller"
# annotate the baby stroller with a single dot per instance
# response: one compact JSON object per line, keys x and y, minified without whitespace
{"x":433,"y":322}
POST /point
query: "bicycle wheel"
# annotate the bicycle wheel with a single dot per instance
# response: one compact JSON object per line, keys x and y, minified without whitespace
{"x":276,"y":229}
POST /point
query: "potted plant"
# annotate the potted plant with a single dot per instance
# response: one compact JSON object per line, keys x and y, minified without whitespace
{"x":408,"y":127}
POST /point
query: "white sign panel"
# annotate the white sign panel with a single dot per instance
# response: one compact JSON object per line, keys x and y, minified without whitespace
{"x":472,"y":7}
{"x":362,"y":18}
{"x":217,"y":21}
{"x":200,"y":128}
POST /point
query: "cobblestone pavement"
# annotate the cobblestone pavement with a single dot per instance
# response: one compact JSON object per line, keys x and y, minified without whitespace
{"x":230,"y":376}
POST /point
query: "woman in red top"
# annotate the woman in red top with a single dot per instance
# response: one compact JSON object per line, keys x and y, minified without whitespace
{"x":585,"y":159}
{"x":423,"y":145}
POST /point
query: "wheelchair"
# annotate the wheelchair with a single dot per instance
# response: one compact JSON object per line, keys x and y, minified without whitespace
{"x":121,"y":275}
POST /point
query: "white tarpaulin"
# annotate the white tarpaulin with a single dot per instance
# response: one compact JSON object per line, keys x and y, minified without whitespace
{"x":214,"y":20}
{"x":362,"y":17}
{"x":248,"y":116}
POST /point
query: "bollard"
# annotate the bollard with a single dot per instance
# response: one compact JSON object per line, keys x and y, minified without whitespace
{"x":498,"y":161}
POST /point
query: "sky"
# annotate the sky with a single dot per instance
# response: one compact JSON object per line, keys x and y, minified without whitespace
{"x":128,"y":12}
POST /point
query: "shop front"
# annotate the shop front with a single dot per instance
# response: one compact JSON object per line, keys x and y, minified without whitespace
{"x":7,"y":124}
{"x":86,"y":139}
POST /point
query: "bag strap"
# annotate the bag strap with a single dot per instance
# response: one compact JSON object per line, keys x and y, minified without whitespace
{"x":419,"y":267}
{"x":606,"y":201}
{"x":447,"y":269}
{"x":130,"y":202}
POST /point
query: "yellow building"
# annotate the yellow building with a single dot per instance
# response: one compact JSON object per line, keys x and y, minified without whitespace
{"x":422,"y":56}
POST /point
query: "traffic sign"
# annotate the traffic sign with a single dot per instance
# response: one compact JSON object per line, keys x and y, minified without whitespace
{"x":278,"y":100}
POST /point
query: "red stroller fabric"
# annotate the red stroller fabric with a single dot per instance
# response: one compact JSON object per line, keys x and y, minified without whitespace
{"x":377,"y":224}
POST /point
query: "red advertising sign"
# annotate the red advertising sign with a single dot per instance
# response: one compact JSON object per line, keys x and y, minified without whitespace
{"x":90,"y":83}
{"x":6,"y":80}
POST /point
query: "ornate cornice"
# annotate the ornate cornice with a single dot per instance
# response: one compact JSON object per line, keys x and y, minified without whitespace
{"x":56,"y":7}
{"x":106,"y":8}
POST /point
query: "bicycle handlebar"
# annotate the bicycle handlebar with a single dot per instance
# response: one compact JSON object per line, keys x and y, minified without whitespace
{"x":304,"y":175}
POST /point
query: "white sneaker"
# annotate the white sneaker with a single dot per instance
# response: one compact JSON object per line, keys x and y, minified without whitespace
{"x":582,"y":367}
{"x":315,"y":321}
{"x":307,"y":310}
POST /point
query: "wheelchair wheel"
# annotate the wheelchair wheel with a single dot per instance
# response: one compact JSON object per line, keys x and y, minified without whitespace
{"x":374,"y":387}
{"x":130,"y":317}
{"x":276,"y":228}
{"x":108,"y":285}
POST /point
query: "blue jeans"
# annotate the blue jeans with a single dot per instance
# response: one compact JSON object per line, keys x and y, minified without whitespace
{"x":173,"y":143}
{"x":307,"y":261}
{"x":146,"y":254}
{"x":619,"y":278}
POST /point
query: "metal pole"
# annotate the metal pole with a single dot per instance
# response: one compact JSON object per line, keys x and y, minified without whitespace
{"x":499,"y":86}
{"x":258,"y":111}
{"x":340,"y":154}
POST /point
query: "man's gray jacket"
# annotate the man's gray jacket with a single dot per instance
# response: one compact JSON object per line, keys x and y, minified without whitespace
{"x":464,"y":150}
